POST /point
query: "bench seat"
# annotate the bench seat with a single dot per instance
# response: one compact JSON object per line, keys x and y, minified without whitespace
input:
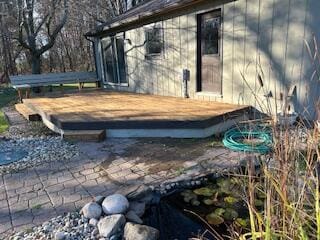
{"x":21,"y":86}
{"x":26,"y":82}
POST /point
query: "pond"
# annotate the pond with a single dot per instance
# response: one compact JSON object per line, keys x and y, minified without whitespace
{"x":10,"y":156}
{"x":186,"y":213}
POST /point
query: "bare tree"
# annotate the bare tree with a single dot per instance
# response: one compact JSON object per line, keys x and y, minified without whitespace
{"x":48,"y":35}
{"x":37,"y":29}
{"x":7,"y":54}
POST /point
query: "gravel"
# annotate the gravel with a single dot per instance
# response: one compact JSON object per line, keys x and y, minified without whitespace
{"x":40,"y":144}
{"x":71,"y":226}
{"x":39,"y":150}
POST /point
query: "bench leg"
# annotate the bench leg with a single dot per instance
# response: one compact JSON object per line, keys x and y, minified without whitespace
{"x":81,"y":85}
{"x":27,"y":93}
{"x":20,"y":95}
{"x":42,"y":90}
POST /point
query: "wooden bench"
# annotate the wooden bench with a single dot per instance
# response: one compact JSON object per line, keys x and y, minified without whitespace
{"x":26,"y":82}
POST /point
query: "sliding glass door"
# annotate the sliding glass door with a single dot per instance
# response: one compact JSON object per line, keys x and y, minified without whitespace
{"x":114,"y":60}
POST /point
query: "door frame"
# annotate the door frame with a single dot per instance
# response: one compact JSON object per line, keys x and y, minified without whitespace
{"x":199,"y":51}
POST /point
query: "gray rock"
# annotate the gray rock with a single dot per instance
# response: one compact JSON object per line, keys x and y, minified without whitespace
{"x":140,"y":232}
{"x":99,"y":199}
{"x":131,"y":216}
{"x":116,"y":237}
{"x":109,"y":225}
{"x":95,"y":232}
{"x":92,"y":210}
{"x":60,"y":236}
{"x":138,"y":207}
{"x":93,"y":222}
{"x":136,"y":192}
{"x":115,"y":204}
{"x":47,"y":228}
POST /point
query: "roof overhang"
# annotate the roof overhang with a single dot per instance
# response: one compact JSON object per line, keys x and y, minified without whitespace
{"x":147,"y":13}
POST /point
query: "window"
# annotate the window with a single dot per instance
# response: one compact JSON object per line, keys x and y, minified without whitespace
{"x":154,"y":41}
{"x":211,"y":35}
{"x":114,"y":60}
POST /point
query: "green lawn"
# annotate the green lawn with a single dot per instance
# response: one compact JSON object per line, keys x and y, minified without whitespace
{"x":3,"y":123}
{"x":69,"y":87}
{"x":7,"y":95}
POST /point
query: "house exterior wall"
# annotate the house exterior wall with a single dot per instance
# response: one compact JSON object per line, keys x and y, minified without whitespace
{"x":259,"y":37}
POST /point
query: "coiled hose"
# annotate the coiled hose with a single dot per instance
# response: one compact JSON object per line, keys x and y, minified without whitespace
{"x":235,"y":138}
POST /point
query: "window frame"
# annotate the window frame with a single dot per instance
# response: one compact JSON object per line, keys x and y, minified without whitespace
{"x":147,"y":29}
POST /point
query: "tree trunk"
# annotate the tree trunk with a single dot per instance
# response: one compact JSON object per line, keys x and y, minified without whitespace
{"x":36,"y":69}
{"x":36,"y":64}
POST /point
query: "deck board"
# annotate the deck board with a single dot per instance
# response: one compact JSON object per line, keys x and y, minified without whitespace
{"x":103,"y":108}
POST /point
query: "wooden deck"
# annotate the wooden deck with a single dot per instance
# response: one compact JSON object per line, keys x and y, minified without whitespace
{"x":118,"y":110}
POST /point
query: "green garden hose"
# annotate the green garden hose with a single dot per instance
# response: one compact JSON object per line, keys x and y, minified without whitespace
{"x":234,"y":139}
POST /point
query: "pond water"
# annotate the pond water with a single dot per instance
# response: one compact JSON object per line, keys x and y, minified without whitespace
{"x":218,"y":202}
{"x":10,"y":156}
{"x":173,"y":223}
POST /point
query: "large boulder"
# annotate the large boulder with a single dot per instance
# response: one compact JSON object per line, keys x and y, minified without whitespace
{"x":138,"y":207}
{"x":140,"y":232}
{"x":92,"y":210}
{"x":115,"y":204}
{"x":131,"y":216}
{"x":111,"y":225}
{"x":136,"y":192}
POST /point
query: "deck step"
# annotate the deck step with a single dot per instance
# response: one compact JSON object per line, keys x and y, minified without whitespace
{"x":85,"y":135}
{"x":27,"y":113}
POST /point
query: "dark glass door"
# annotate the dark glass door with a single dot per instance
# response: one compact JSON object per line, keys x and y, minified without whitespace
{"x":209,"y":52}
{"x":109,"y":61}
{"x":114,"y":60}
{"x":121,"y":63}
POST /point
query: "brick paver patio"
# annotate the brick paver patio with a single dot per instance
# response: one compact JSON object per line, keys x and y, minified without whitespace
{"x":35,"y":195}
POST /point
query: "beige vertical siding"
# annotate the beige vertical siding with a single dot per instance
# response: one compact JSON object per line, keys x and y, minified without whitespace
{"x":273,"y":42}
{"x":163,"y":75}
{"x":260,"y":37}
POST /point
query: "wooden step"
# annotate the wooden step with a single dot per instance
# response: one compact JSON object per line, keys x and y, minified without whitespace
{"x":27,"y":113}
{"x":85,"y":135}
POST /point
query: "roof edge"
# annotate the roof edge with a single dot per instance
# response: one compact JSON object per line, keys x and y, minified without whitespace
{"x":122,"y":23}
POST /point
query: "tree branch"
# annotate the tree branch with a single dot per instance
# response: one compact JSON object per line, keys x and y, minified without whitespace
{"x":53,"y":36}
{"x":43,"y":21}
{"x":21,"y":23}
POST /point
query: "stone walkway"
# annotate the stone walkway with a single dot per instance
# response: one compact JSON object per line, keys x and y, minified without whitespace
{"x":35,"y":195}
